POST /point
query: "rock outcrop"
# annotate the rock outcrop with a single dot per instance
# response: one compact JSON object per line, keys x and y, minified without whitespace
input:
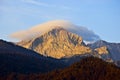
{"x":102,"y":50}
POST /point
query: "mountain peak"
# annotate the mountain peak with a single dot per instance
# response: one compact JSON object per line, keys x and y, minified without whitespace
{"x":57,"y":43}
{"x":54,"y":24}
{"x":57,"y":29}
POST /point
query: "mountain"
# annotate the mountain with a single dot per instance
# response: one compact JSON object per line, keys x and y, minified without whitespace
{"x":62,"y":44}
{"x":113,"y":48}
{"x":57,"y":43}
{"x":17,"y":59}
{"x":89,"y":68}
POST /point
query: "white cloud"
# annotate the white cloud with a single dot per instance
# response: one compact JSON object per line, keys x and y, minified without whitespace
{"x":38,"y":30}
{"x":36,"y":3}
{"x":44,"y":4}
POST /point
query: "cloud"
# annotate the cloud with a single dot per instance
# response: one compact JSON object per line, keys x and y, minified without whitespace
{"x":36,"y":3}
{"x":38,"y":30}
{"x":86,"y":34}
{"x":44,"y":4}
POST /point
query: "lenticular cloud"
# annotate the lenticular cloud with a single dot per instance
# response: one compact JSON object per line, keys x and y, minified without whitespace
{"x":38,"y":30}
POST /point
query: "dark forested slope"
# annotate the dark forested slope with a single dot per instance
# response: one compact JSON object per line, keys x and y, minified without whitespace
{"x":16,"y":59}
{"x":87,"y":69}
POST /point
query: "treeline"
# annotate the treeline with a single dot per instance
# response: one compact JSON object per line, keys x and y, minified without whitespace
{"x":87,"y":69}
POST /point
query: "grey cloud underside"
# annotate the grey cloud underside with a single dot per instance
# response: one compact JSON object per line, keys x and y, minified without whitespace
{"x":38,"y":30}
{"x":86,"y":34}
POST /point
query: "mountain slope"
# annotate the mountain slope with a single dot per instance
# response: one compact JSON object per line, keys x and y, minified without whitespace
{"x":14,"y":58}
{"x":113,"y":48}
{"x":87,"y":69}
{"x":57,"y":43}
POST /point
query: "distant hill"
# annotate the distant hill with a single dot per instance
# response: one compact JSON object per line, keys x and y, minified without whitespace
{"x":89,"y":68}
{"x":16,"y":59}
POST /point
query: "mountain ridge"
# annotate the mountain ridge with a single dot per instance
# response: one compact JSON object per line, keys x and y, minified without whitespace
{"x":114,"y":48}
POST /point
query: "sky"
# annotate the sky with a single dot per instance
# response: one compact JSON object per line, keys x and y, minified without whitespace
{"x":100,"y":16}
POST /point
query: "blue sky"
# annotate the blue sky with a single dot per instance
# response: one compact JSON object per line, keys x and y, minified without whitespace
{"x":101,"y":16}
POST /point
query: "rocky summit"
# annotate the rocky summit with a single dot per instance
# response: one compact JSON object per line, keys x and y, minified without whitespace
{"x":57,"y":43}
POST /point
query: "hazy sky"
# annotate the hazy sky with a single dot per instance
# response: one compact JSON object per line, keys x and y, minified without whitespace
{"x":101,"y":16}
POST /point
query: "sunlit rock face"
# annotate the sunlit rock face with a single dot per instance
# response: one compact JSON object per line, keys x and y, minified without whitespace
{"x":102,"y":50}
{"x":57,"y":43}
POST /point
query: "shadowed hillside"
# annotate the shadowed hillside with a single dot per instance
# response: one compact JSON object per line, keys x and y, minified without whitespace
{"x":16,"y":59}
{"x":87,"y":69}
